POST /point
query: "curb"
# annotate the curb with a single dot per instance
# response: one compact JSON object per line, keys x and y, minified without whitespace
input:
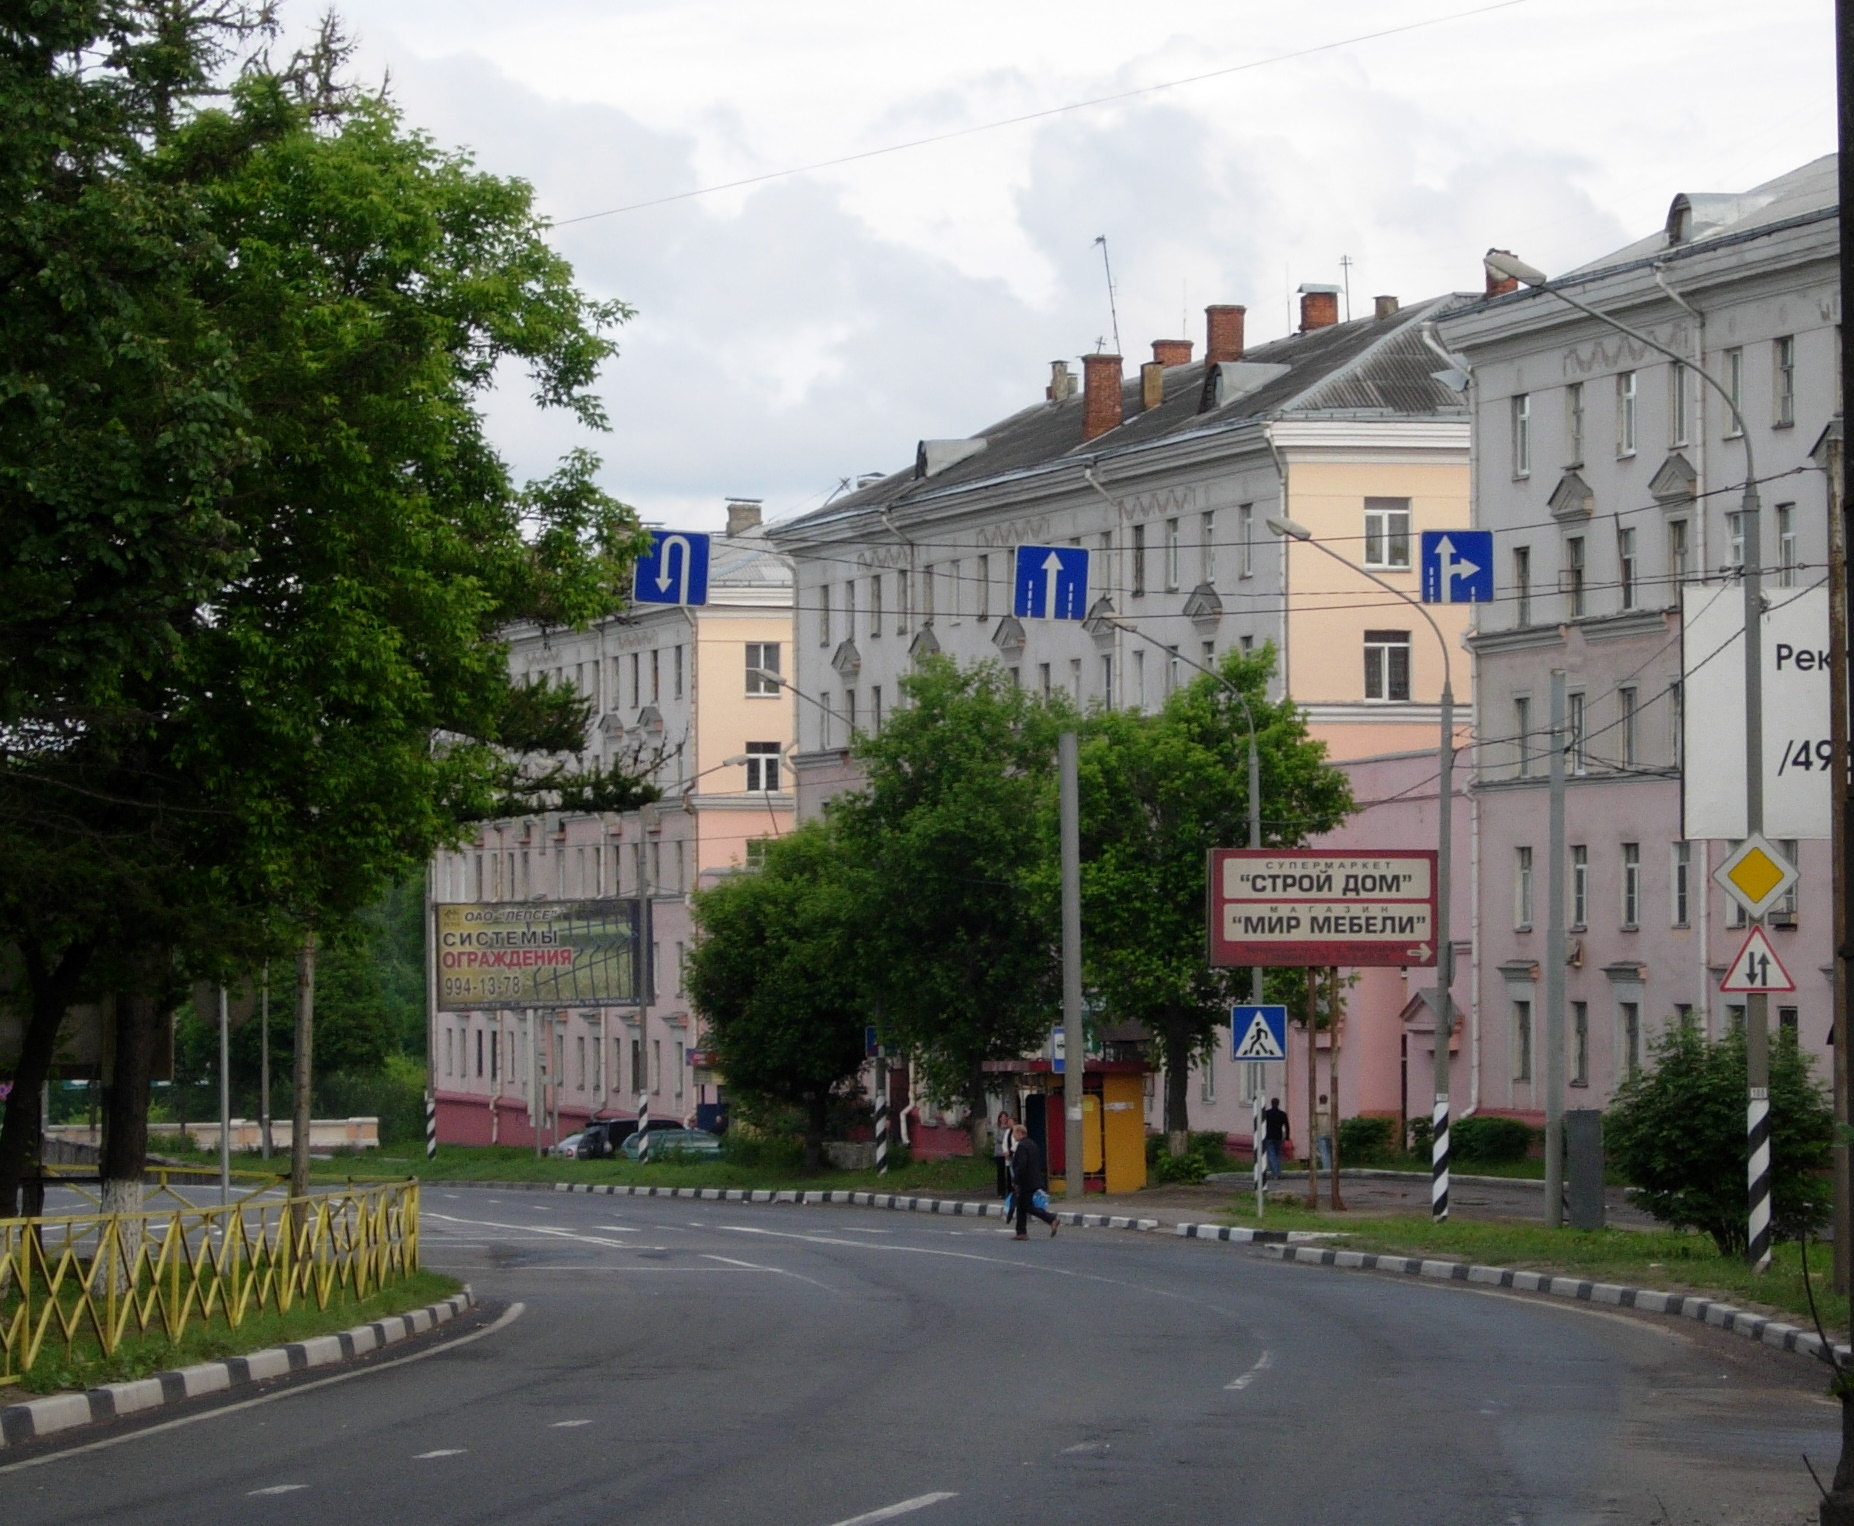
{"x":900,"y":1204}
{"x":1709,"y":1311}
{"x":21,"y":1423}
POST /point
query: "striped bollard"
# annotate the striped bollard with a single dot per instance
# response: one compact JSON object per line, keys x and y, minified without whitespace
{"x":1438,"y":1162}
{"x":643,"y":1128}
{"x":431,"y":1125}
{"x":881,"y":1132}
{"x":1757,"y":1170}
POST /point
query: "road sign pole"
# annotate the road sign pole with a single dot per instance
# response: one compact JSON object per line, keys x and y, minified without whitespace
{"x":1445,"y":954}
{"x":1757,"y":1005}
{"x":225,"y":1100}
{"x":1313,"y":1081}
{"x":881,"y":1117}
{"x":1074,"y":1056}
{"x":1555,"y":954}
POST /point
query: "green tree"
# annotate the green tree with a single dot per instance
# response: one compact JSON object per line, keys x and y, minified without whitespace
{"x":1676,"y":1131}
{"x":1158,"y":792}
{"x":777,"y":976}
{"x":958,"y":942}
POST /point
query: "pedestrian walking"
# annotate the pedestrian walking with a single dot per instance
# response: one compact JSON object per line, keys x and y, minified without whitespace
{"x":1276,"y":1130}
{"x":1323,"y":1133}
{"x":1028,"y":1180}
{"x":1001,"y":1150}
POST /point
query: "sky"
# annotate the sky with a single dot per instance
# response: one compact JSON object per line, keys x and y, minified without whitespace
{"x":811,"y":327}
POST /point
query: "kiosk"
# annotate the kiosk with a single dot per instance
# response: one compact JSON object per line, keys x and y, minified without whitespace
{"x":1113,"y":1119}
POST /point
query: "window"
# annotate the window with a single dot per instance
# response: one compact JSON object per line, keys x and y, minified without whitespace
{"x":984,"y":588}
{"x":1680,"y":883}
{"x":1734,"y":366}
{"x":849,"y":711}
{"x":1580,"y":884}
{"x":1139,"y":678}
{"x":756,"y":851}
{"x":1679,"y":554}
{"x":637,"y":683}
{"x":1625,"y":413}
{"x":901,"y":602}
{"x":1522,"y":585}
{"x":1677,"y":712}
{"x":826,"y":723}
{"x":1042,"y":678}
{"x":875,"y":605}
{"x":1630,"y":1013}
{"x":1580,"y":1043}
{"x":1387,"y":532}
{"x":1788,"y":1024}
{"x":1208,"y":541}
{"x":1522,"y":889}
{"x":875,"y":706}
{"x":1627,"y":699}
{"x":1783,"y":914}
{"x":676,"y":691}
{"x":1171,"y":556}
{"x":1677,"y":404}
{"x":824,"y":614}
{"x":1631,"y":884}
{"x":1735,"y":532}
{"x":1574,"y":574}
{"x":1107,"y":680}
{"x":1783,"y":352}
{"x":1387,"y":665}
{"x":495,"y":1056}
{"x":656,"y":675}
{"x":681,"y":873}
{"x":1522,"y":1041}
{"x":1522,"y":434}
{"x":1786,"y":545}
{"x":1171,"y":670}
{"x":1580,"y":762}
{"x":1245,"y":540}
{"x":1574,"y":423}
{"x":1522,"y":734}
{"x":579,"y":1059}
{"x":450,"y":1039}
{"x":656,"y":1064}
{"x":927,"y":582}
{"x":479,"y":1053}
{"x":762,"y":667}
{"x":1625,"y":567}
{"x":849,"y":608}
{"x":1207,"y":1076}
{"x":681,"y":1065}
{"x":1139,"y":560}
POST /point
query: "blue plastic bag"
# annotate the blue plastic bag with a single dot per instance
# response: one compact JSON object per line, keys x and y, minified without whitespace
{"x":1041,"y":1199}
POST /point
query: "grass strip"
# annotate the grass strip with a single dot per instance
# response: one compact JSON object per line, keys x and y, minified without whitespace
{"x":86,"y":1366}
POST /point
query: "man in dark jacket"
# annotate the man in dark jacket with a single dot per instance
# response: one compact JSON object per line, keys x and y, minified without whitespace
{"x":1028,"y":1179}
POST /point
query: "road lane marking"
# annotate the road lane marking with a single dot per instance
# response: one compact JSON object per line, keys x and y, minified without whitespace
{"x":754,"y":1266}
{"x":889,"y":1512}
{"x":276,"y":1489}
{"x":440,"y":1452}
{"x":502,"y":1321}
{"x":1262,"y":1364}
{"x":540,"y":1229}
{"x":567,"y":1425}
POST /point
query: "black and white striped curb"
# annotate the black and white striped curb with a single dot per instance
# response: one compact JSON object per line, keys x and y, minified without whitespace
{"x":1708,"y":1311}
{"x":44,"y":1417}
{"x":901,"y":1204}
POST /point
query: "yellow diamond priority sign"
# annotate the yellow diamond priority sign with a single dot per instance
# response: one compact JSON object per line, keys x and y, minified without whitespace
{"x":1755,"y":875}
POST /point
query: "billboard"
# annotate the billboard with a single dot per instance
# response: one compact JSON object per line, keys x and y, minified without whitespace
{"x":1798,"y":788}
{"x":536,"y":954}
{"x":1293,"y":907}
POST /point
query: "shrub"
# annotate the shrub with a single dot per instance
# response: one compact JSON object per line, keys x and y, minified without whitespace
{"x":1489,"y":1141}
{"x":1677,"y":1132}
{"x":1206,"y":1152}
{"x":1422,"y":1134}
{"x":1362,"y":1140}
{"x":744,"y":1145}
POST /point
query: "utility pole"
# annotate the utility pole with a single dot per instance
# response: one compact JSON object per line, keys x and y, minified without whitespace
{"x":1445,"y":948}
{"x":1555,"y":953}
{"x":1068,"y":765}
{"x":1757,"y":1003}
{"x":301,"y":1063}
{"x":264,"y":1066}
{"x":225,"y":1100}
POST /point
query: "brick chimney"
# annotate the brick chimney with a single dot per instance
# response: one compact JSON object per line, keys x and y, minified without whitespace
{"x":1172,"y":352}
{"x":1223,"y":333}
{"x":1319,"y":306}
{"x":1387,"y":307}
{"x":743,"y":514}
{"x":1101,"y":402}
{"x":1152,"y":383}
{"x":1496,"y":285}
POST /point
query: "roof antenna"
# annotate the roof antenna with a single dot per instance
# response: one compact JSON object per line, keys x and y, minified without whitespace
{"x":1345,"y":266}
{"x":1112,"y":311}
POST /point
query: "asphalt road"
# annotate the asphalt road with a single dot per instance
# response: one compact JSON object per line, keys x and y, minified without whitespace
{"x":710,"y":1364}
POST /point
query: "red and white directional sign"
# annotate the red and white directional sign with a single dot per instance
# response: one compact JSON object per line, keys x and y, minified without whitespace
{"x":1756,"y":968}
{"x":1307,"y":908}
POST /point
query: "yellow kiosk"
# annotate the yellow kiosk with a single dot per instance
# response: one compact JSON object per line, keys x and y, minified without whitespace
{"x":1113,"y":1119}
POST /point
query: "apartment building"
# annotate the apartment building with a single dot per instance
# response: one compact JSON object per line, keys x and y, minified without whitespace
{"x":689,"y":694}
{"x":1611,"y":478}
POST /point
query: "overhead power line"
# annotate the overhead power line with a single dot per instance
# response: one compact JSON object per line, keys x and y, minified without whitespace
{"x":1046,"y":112}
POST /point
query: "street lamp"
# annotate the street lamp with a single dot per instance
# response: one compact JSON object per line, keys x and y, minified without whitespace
{"x":1445,"y":951}
{"x":1757,"y":1005}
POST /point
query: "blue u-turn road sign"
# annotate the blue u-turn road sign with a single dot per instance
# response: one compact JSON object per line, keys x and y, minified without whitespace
{"x":674,"y":570}
{"x":1052,"y":583}
{"x":1458,"y":567}
{"x":1259,"y":1033}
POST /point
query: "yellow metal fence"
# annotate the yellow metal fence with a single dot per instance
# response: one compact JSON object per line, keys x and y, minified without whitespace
{"x":90,"y":1282}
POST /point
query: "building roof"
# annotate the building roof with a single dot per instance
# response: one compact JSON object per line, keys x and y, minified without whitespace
{"x":1367,"y":369}
{"x":747,"y":560}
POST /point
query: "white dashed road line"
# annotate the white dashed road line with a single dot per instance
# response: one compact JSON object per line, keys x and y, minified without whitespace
{"x":1262,"y":1364}
{"x":889,"y":1512}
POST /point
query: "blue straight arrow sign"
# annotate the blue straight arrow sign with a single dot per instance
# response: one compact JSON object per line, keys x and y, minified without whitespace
{"x":1051,"y":583}
{"x":1458,"y":567}
{"x":674,"y":570}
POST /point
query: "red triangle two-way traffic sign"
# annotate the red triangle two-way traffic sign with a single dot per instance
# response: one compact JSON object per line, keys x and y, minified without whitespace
{"x":1756,"y":968}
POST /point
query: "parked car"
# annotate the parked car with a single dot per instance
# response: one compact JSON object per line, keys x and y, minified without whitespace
{"x":677,"y":1143}
{"x":602,"y":1138}
{"x":572,"y":1147}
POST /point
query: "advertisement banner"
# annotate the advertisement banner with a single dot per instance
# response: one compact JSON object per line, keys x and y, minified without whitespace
{"x":536,"y":954}
{"x":1301,"y":907}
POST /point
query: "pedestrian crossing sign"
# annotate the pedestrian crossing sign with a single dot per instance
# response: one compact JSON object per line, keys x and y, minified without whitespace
{"x":1259,"y":1033}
